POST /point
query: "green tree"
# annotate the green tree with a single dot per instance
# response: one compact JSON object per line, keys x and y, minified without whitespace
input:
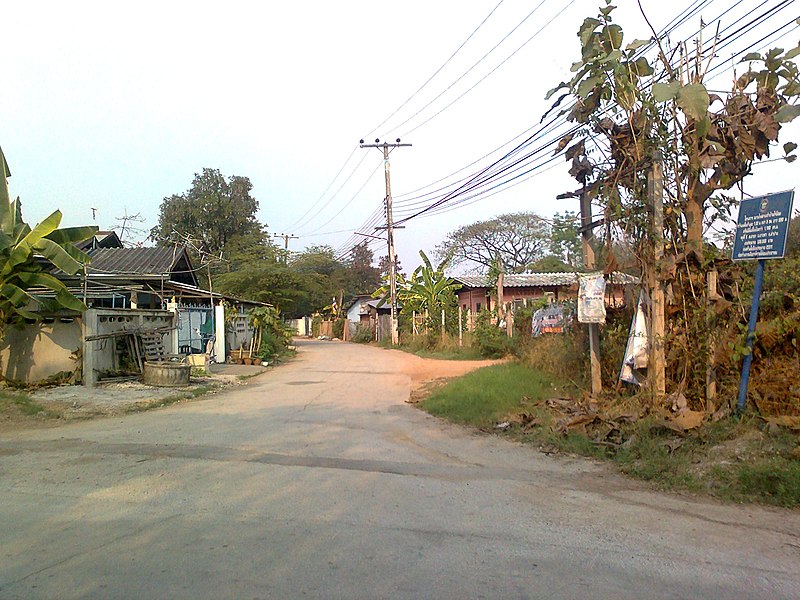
{"x":565,"y":240}
{"x":20,"y":270}
{"x":214,"y":212}
{"x":364,"y":278}
{"x":708,"y":143}
{"x":550,"y":264}
{"x":517,"y":239}
{"x":428,"y":288}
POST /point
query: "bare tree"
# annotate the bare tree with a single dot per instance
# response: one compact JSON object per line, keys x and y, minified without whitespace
{"x":516,"y":239}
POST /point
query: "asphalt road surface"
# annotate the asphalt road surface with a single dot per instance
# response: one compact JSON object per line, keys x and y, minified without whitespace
{"x":318,"y":481}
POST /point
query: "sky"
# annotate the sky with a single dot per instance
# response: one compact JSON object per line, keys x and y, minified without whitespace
{"x":115,"y":106}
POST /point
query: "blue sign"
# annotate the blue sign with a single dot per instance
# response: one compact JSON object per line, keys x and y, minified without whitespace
{"x":762,"y":227}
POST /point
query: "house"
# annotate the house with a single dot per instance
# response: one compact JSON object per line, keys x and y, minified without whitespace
{"x":510,"y":291}
{"x":124,"y":288}
{"x":371,"y":312}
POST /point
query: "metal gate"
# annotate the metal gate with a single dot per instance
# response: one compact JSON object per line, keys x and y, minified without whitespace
{"x":195,"y":329}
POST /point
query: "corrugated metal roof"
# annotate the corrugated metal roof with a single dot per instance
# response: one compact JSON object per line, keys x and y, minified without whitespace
{"x":536,"y":279}
{"x":133,"y":261}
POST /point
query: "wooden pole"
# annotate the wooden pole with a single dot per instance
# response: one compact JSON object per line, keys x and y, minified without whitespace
{"x":657,"y":365}
{"x":711,"y":374}
{"x":460,"y":326}
{"x":443,"y":332}
{"x":587,"y":239}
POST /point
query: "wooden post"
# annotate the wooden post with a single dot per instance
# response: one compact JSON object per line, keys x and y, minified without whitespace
{"x":443,"y":332}
{"x":587,"y":239}
{"x":657,"y":364}
{"x":500,"y":293}
{"x":460,"y":326}
{"x":711,"y":374}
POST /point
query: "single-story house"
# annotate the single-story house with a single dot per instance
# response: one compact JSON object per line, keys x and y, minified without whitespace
{"x":372,"y":312}
{"x":123,"y":288}
{"x":479,"y":292}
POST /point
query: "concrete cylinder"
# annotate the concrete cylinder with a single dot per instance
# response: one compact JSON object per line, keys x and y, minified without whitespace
{"x":166,"y":374}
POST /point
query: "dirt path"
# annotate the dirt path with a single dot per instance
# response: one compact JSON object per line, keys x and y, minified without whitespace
{"x":60,"y":404}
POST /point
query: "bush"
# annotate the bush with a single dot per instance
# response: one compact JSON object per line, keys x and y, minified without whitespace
{"x":338,"y":328}
{"x":560,"y":355}
{"x":363,"y":334}
{"x":490,"y":340}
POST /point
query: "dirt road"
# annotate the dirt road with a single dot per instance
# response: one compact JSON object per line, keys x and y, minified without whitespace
{"x":317,"y":480}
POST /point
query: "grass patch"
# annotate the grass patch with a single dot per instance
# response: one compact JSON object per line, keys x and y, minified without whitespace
{"x":489,"y":395}
{"x":733,"y":460}
{"x":435,"y":347}
{"x":19,"y":402}
{"x":191,"y":394}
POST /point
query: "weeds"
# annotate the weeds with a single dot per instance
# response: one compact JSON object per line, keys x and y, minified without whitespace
{"x":446,"y":348}
{"x":21,"y":403}
{"x":734,"y":460}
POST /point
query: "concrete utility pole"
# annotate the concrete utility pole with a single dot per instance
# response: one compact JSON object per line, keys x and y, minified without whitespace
{"x":286,"y":237}
{"x":385,"y":146}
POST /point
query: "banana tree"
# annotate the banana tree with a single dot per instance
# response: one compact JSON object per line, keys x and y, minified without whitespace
{"x":427,"y":288}
{"x":19,"y":270}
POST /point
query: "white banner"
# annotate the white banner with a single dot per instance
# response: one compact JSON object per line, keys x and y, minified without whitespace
{"x":591,"y":298}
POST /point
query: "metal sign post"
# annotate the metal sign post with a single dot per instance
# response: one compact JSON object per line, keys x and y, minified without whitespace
{"x":761,"y":232}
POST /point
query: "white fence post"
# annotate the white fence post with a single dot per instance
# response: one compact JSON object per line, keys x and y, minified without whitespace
{"x":219,"y":334}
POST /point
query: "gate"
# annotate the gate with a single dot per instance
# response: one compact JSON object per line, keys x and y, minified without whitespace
{"x":195,"y":328}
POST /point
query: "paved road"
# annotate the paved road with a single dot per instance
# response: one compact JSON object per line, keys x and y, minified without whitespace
{"x":317,"y":481}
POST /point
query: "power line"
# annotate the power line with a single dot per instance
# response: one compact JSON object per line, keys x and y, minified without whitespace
{"x":479,"y":61}
{"x":482,"y":79}
{"x":322,"y":195}
{"x":486,"y":18}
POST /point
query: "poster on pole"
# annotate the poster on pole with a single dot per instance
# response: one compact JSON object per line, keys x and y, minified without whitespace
{"x":591,"y":298}
{"x":762,"y":227}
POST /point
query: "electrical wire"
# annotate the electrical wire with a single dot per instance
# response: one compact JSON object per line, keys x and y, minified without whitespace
{"x":422,"y":87}
{"x":475,"y":180}
{"x":469,"y":70}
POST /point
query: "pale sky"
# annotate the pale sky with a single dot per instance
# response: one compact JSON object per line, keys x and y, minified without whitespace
{"x":115,"y":106}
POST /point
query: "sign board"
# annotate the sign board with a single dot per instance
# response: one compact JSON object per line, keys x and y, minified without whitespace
{"x":591,"y":298}
{"x":762,"y":227}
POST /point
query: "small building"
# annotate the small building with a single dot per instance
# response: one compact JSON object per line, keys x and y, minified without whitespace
{"x":370,"y":312}
{"x":123,"y":288}
{"x":510,"y":291}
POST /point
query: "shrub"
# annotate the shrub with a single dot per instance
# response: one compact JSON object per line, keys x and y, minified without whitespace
{"x":363,"y":334}
{"x":338,"y":328}
{"x":490,"y":340}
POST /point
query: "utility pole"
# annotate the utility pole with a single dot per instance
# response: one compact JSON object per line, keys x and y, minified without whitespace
{"x":385,"y":146}
{"x":589,"y":262}
{"x":286,"y":237}
{"x":587,"y":241}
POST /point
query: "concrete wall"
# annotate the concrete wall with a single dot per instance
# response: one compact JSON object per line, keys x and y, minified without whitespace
{"x":33,"y":353}
{"x":100,"y":355}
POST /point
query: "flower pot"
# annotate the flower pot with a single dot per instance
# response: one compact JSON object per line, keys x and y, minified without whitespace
{"x":256,"y":361}
{"x":248,"y":360}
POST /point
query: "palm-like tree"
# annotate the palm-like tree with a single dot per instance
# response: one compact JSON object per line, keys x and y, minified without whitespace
{"x":20,"y":271}
{"x":427,"y":288}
